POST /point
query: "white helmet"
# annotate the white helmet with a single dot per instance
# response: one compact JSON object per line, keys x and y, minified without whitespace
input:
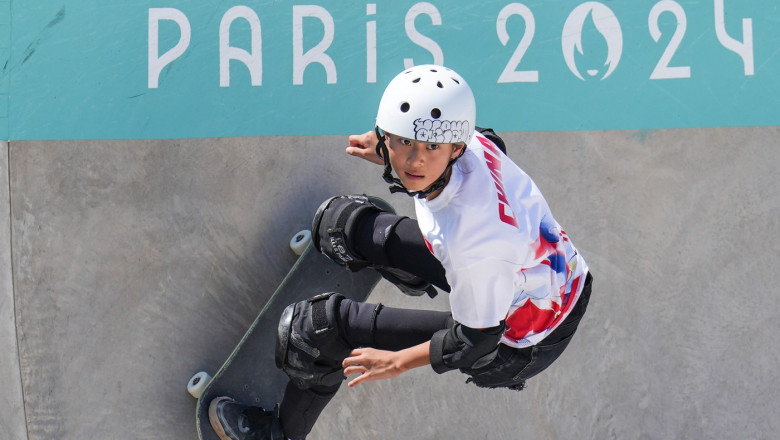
{"x":428,"y":103}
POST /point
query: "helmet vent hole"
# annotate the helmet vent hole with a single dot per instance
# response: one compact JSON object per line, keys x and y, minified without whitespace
{"x":416,"y":80}
{"x":405,"y":107}
{"x":456,"y":81}
{"x":439,"y":84}
{"x":435,"y":113}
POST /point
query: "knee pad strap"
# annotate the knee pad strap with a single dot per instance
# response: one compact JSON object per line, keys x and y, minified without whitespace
{"x":407,"y":283}
{"x":335,"y":225}
{"x":308,"y":346}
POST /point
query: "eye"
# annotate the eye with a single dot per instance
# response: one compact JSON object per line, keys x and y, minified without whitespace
{"x":433,"y":147}
{"x":406,"y":141}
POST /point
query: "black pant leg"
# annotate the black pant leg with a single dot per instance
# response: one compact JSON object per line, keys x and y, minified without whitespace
{"x":388,"y":329}
{"x":404,"y":249}
{"x":300,"y":409}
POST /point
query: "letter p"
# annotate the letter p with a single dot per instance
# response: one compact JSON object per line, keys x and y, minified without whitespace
{"x":157,"y":62}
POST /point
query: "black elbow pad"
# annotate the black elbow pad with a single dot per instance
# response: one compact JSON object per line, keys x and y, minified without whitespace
{"x":464,"y":347}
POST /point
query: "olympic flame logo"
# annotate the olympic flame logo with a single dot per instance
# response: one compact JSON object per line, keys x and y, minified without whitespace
{"x":607,"y":25}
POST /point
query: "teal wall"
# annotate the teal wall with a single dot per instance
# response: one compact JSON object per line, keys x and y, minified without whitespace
{"x":5,"y":54}
{"x":80,"y":69}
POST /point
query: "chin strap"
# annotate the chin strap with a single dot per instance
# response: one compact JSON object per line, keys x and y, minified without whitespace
{"x":395,"y":183}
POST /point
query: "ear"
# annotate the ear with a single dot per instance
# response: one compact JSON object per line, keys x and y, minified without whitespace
{"x":456,"y":150}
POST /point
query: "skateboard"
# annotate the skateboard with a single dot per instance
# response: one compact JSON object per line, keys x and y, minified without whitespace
{"x":249,"y":375}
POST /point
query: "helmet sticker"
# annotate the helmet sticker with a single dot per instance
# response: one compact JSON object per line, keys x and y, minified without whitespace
{"x":441,"y":132}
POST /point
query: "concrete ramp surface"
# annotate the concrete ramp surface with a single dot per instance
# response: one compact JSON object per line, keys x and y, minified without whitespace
{"x":130,"y":265}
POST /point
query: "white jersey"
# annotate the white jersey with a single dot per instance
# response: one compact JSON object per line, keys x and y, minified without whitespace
{"x":505,"y":256}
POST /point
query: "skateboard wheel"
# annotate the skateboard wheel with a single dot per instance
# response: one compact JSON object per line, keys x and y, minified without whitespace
{"x":198,"y":383}
{"x":300,"y":241}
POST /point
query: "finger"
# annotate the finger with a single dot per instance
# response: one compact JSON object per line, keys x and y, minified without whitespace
{"x":357,"y":369}
{"x":358,"y":380}
{"x":368,"y":155}
{"x":356,"y":352}
{"x":349,"y":362}
{"x":363,"y":153}
{"x":358,"y":139}
{"x":360,"y":151}
{"x":353,"y":359}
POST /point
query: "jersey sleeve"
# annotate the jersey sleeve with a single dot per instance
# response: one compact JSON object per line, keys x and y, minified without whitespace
{"x":482,"y":293}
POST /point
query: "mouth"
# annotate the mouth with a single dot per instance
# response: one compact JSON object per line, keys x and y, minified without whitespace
{"x":411,"y":176}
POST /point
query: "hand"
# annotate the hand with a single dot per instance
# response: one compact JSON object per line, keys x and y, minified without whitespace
{"x":364,"y":147}
{"x":371,"y":364}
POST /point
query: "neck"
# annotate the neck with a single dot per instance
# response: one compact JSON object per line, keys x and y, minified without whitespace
{"x":436,"y":193}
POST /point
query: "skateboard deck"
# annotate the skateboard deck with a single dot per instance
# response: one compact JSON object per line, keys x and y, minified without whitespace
{"x":249,"y":375}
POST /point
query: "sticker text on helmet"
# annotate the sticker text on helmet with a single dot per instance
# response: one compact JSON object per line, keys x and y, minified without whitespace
{"x":442,"y":132}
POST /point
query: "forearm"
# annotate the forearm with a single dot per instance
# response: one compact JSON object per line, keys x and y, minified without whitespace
{"x":373,"y":364}
{"x":414,"y":357}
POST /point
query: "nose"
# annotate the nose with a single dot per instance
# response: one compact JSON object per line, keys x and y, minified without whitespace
{"x":415,"y":156}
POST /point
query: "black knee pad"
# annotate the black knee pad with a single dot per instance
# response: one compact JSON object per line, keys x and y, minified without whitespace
{"x":335,"y":225}
{"x":334,"y":233}
{"x":308,"y":346}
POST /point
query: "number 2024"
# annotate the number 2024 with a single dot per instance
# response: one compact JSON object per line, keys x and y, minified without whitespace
{"x":608,"y":25}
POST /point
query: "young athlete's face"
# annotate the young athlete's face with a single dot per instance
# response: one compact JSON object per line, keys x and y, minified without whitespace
{"x":419,"y":164}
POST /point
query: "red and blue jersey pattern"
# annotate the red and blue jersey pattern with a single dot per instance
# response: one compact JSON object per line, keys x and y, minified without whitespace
{"x":535,"y":316}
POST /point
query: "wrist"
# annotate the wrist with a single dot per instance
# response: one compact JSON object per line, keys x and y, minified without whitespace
{"x":406,"y":360}
{"x":401,"y":361}
{"x":412,"y":357}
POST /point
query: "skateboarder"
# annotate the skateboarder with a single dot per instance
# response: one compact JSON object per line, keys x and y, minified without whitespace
{"x":484,"y":233}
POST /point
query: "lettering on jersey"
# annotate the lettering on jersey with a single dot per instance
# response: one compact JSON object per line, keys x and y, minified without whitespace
{"x":493,"y":159}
